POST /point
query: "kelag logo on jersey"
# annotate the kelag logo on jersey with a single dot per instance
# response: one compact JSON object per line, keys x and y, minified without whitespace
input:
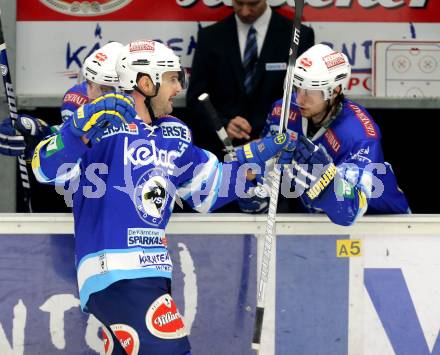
{"x":144,"y":152}
{"x":151,"y":196}
{"x":85,"y":7}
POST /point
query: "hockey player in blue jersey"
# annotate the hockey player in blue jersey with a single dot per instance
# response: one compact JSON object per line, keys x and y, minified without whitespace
{"x":100,"y":77}
{"x":338,"y":166}
{"x":130,"y":172}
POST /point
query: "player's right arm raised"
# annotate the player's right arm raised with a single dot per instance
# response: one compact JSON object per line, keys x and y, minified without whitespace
{"x":87,"y":124}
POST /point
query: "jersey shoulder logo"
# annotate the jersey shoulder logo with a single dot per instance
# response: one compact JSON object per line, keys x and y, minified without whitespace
{"x":362,"y":155}
{"x":175,"y":130}
{"x":75,"y":98}
{"x":366,"y":121}
{"x":276,"y":112}
{"x":127,"y":128}
{"x":332,"y":140}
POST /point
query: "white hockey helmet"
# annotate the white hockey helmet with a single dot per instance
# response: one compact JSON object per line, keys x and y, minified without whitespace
{"x":322,"y":68}
{"x":147,"y":57}
{"x":99,"y":67}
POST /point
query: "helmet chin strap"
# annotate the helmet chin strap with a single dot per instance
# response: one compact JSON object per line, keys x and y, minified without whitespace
{"x":147,"y":100}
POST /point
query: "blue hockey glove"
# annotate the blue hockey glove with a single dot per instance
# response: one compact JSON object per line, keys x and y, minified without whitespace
{"x":312,"y":168}
{"x":256,"y":201}
{"x":32,"y":130}
{"x":306,"y":152}
{"x":11,"y":142}
{"x":259,"y":152}
{"x":91,"y":120}
{"x":254,"y":204}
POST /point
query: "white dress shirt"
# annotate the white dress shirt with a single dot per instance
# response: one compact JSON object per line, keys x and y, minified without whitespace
{"x":260,"y":25}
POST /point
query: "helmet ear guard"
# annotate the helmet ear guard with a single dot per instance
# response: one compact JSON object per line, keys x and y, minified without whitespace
{"x":322,"y":68}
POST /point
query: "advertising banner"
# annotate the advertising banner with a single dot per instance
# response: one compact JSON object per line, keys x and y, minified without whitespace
{"x":67,"y":31}
{"x":363,"y":295}
{"x":334,"y":295}
{"x":214,"y":287}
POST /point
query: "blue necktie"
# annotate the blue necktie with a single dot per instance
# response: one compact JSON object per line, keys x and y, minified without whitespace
{"x":250,"y":59}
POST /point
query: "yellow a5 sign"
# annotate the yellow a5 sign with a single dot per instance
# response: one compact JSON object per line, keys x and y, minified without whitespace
{"x":347,"y":248}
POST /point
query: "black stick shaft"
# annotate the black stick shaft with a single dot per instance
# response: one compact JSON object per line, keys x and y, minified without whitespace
{"x":215,"y":119}
{"x":13,"y":113}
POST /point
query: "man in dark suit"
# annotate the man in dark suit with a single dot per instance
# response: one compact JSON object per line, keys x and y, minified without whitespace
{"x":241,"y":63}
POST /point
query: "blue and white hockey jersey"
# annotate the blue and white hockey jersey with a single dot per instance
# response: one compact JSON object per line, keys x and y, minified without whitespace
{"x":128,"y":184}
{"x":74,"y":98}
{"x":365,"y":182}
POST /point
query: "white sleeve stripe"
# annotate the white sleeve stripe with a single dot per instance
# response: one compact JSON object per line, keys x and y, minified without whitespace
{"x":69,"y":175}
{"x":11,"y":148}
{"x":366,"y":183}
{"x":12,"y":138}
{"x":203,"y":175}
{"x":209,"y":201}
{"x":40,"y":176}
{"x":66,"y":114}
{"x":59,"y":179}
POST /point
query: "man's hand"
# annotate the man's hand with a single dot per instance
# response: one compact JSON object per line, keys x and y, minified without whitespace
{"x":91,"y":120}
{"x":239,"y":128}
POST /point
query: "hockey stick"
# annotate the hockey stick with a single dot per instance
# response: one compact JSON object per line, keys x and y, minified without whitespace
{"x":275,"y":181}
{"x":12,"y":104}
{"x":212,"y":114}
{"x":229,"y":148}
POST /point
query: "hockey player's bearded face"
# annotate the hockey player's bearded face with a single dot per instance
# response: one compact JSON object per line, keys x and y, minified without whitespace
{"x":162,"y":103}
{"x":311,"y":104}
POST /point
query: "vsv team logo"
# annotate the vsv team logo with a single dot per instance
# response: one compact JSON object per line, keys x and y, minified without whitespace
{"x":151,"y":196}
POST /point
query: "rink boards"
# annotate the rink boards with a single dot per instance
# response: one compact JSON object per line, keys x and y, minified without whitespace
{"x":373,"y":288}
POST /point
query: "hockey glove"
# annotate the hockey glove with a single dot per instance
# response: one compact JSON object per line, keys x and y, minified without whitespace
{"x":11,"y":142}
{"x":254,"y":204}
{"x":312,"y":168}
{"x":32,"y":130}
{"x":259,"y":152}
{"x":256,"y":200}
{"x":91,"y":120}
